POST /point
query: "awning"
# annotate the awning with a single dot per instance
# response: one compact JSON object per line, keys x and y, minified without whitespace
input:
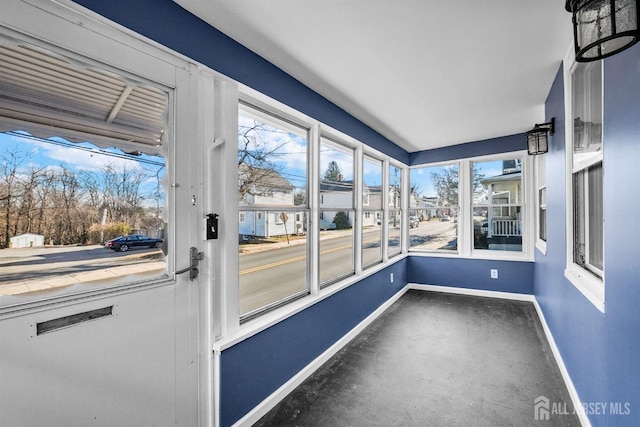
{"x":47,"y":95}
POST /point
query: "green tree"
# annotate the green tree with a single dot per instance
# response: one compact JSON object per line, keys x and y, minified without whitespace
{"x":333,"y":172}
{"x":341,"y":220}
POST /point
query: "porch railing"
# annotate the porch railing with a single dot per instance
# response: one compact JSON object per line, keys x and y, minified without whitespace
{"x":505,"y":227}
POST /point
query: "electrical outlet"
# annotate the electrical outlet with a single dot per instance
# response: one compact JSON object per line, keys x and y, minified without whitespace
{"x":391,"y":277}
{"x":494,"y":273}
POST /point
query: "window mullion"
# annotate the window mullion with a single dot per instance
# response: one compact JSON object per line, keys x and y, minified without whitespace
{"x":314,"y":210}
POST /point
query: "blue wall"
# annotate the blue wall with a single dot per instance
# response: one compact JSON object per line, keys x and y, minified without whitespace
{"x":485,"y":147}
{"x":256,"y":367}
{"x":513,"y":276}
{"x":167,"y":23}
{"x":601,"y":351}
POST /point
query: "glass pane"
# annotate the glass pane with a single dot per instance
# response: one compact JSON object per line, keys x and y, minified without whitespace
{"x":587,"y":111}
{"x":595,"y":217}
{"x":74,"y":213}
{"x":433,"y":208}
{"x":395,"y":246}
{"x":372,"y":183}
{"x":395,"y":186}
{"x":542,"y":213}
{"x":272,"y":171}
{"x":336,"y":245}
{"x":273,"y":258}
{"x":497,"y":203}
{"x":336,"y":175}
{"x":272,"y":161}
{"x":371,"y":238}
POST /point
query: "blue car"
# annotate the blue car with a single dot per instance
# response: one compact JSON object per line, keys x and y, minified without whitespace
{"x":124,"y":243}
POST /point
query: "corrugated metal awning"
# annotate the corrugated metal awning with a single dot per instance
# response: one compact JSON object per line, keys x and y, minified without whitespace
{"x":46,"y":95}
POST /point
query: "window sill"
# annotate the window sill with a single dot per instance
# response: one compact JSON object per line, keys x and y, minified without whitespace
{"x":589,"y":285}
{"x":541,"y":246}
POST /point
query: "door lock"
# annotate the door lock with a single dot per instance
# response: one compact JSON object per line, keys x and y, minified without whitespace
{"x":195,"y":258}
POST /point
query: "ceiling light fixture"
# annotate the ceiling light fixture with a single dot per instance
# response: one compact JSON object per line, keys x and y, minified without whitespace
{"x":602,"y":28}
{"x":538,"y":139}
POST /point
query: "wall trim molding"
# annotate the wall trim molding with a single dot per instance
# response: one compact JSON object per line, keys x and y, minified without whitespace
{"x":474,"y":292}
{"x":575,"y":398}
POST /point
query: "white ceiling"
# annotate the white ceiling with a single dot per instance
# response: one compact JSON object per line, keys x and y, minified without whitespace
{"x":423,"y":73}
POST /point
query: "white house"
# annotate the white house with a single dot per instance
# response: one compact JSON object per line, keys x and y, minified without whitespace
{"x":267,"y":188}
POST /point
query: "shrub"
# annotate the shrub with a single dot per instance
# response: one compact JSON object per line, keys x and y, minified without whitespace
{"x":341,"y":220}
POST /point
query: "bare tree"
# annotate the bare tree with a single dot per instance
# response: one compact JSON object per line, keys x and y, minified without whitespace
{"x":10,"y":191}
{"x":257,"y":158}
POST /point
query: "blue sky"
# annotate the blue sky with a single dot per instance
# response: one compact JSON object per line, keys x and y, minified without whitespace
{"x":56,"y":152}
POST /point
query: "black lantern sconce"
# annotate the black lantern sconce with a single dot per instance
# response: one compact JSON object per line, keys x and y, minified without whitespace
{"x":603,"y":28}
{"x":538,"y":139}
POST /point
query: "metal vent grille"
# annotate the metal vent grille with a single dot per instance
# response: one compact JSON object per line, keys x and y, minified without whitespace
{"x":43,"y":93}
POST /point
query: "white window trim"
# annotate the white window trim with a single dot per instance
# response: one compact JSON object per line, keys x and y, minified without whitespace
{"x":592,"y":287}
{"x":465,"y":220}
{"x":541,"y":245}
{"x":228,"y":327}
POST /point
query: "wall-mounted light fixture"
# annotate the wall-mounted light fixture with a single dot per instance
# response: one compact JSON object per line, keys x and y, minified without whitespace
{"x":538,"y":139}
{"x":603,"y":28}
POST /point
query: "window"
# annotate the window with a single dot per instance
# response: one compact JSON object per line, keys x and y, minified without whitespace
{"x":272,"y":199}
{"x":81,"y":197}
{"x":395,"y":211}
{"x":541,"y":179}
{"x":433,"y":208}
{"x":585,"y":164}
{"x":337,"y":213}
{"x":372,"y":205}
{"x":497,"y":204}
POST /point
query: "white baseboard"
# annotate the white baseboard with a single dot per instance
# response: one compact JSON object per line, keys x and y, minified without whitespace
{"x":474,"y":292}
{"x":575,"y":398}
{"x":271,"y":401}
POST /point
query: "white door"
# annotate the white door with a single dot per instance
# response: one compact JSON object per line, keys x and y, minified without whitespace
{"x":125,"y":349}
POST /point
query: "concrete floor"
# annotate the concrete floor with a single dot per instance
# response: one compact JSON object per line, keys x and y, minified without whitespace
{"x":436,"y":359}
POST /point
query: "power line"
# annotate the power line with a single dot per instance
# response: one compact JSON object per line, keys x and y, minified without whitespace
{"x":134,"y":157}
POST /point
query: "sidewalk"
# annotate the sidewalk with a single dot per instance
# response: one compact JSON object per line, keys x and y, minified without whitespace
{"x":85,"y":277}
{"x":249,"y":248}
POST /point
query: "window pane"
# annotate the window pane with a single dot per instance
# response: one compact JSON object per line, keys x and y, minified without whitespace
{"x":395,"y":212}
{"x":395,"y":247}
{"x":336,"y":175}
{"x":433,"y":208}
{"x":273,"y":258}
{"x":371,"y":238}
{"x":272,"y":174}
{"x":74,"y":213}
{"x":497,"y":203}
{"x":542,"y":213}
{"x":337,"y":216}
{"x":596,"y":252}
{"x":587,"y":110}
{"x":588,"y":222}
{"x":336,"y":245}
{"x":372,"y":184}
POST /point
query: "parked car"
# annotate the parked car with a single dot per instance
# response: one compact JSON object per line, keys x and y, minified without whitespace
{"x":326,"y":225}
{"x":445,"y":218}
{"x":124,"y":243}
{"x":414,"y":222}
